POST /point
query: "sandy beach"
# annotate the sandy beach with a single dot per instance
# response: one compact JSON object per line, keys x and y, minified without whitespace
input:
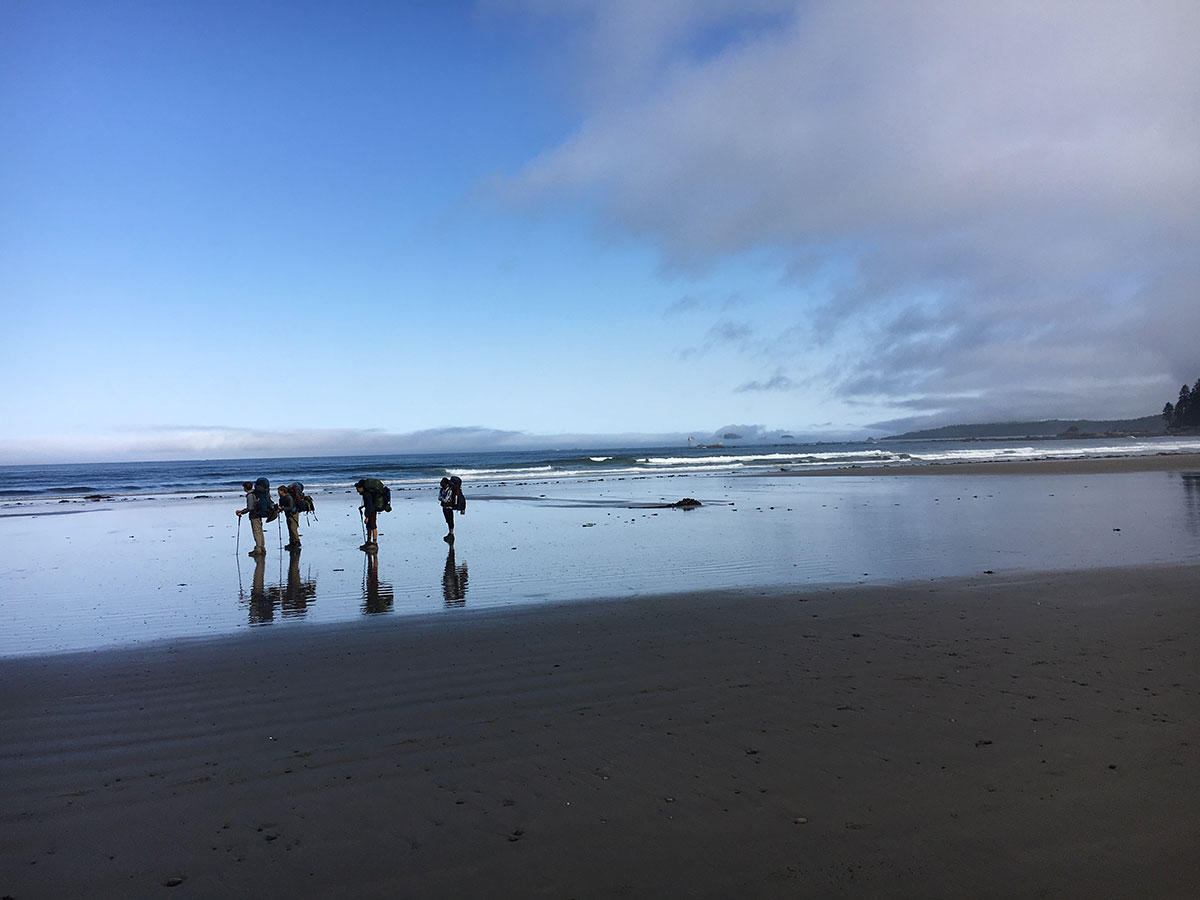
{"x":1031,"y":736}
{"x":548,"y":450}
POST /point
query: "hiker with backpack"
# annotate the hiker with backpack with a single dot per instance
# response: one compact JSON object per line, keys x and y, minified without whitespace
{"x":291,"y":512}
{"x":451,"y":497}
{"x":260,"y":507}
{"x":377,"y":498}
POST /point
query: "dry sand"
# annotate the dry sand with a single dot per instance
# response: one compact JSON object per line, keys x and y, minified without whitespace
{"x":1028,"y":737}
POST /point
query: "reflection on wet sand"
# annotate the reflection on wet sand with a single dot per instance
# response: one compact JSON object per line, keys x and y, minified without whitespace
{"x":262,"y":610}
{"x":291,"y":598}
{"x":1191,"y":497}
{"x":377,"y":596}
{"x":454,"y":582}
{"x":299,"y":591}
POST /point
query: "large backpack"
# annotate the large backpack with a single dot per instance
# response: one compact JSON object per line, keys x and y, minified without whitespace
{"x":304,"y":503}
{"x":264,"y":504}
{"x":460,"y":499}
{"x":381,"y":494}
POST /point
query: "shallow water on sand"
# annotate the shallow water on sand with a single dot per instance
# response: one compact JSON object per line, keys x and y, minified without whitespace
{"x":84,"y":575}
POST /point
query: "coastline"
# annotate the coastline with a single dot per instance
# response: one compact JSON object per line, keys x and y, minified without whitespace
{"x":138,"y":571}
{"x":1102,"y":465}
{"x":26,"y":506}
{"x":1012,"y":736}
{"x":21,"y":486}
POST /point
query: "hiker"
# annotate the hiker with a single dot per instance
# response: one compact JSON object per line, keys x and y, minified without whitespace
{"x":259,"y":506}
{"x":446,"y":499}
{"x":287,"y":503}
{"x":451,"y":497}
{"x":377,"y":498}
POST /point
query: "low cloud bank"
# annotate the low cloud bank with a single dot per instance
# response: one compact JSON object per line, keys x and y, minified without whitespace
{"x":217,"y":442}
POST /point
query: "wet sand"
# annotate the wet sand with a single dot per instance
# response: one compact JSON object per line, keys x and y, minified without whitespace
{"x":138,"y":570}
{"x":1019,"y":736}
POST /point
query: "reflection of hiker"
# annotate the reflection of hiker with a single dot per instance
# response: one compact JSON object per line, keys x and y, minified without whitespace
{"x":377,"y":597}
{"x":454,"y":582}
{"x":260,"y":506}
{"x":377,"y":497}
{"x":262,"y":606}
{"x":287,"y":503}
{"x":450,"y":495}
{"x":298,"y":591}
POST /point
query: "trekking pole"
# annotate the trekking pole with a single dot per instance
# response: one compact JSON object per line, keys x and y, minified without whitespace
{"x":237,"y":556}
{"x":362,"y":520}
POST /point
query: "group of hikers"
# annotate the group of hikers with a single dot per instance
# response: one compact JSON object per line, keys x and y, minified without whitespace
{"x":377,"y":498}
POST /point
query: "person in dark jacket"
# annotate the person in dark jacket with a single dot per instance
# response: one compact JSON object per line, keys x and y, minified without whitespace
{"x":446,"y":497}
{"x":374,"y":494}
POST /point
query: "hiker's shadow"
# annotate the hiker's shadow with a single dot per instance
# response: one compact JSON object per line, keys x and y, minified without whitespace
{"x":454,"y":581}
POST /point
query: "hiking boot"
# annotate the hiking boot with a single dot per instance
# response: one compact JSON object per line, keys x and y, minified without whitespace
{"x":257,"y":553}
{"x":369,"y":546}
{"x":287,"y":546}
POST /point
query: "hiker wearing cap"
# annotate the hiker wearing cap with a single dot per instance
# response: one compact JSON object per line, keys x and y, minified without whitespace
{"x":258,"y":505}
{"x":287,"y":503}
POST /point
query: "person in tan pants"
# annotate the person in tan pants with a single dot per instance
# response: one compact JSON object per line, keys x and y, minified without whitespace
{"x":256,"y":520}
{"x":287,"y":503}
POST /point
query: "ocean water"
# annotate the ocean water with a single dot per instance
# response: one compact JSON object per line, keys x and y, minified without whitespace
{"x":161,"y":556}
{"x":30,"y":482}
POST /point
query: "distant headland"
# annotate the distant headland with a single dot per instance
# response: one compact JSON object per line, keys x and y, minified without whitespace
{"x":1045,"y":429}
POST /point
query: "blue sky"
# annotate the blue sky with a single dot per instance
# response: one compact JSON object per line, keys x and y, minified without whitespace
{"x":242,"y":228}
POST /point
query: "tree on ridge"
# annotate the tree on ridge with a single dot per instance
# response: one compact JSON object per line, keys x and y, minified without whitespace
{"x":1185,"y":413}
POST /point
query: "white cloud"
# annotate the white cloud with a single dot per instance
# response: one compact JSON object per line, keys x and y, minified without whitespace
{"x":1009,"y":193}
